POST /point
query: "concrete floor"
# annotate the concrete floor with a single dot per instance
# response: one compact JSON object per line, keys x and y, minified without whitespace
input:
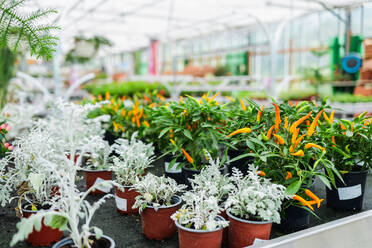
{"x":126,"y":230}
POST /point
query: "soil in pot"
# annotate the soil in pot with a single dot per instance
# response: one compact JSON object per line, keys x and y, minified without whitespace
{"x":348,"y":196}
{"x":103,"y":242}
{"x":294,"y":219}
{"x":241,"y":164}
{"x":46,"y":235}
{"x":189,"y":173}
{"x":93,"y":177}
{"x":109,"y":137}
{"x":191,"y":238}
{"x":243,"y":233}
{"x":125,"y":200}
{"x":157,"y":224}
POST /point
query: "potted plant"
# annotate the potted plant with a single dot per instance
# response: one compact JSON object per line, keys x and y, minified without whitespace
{"x":156,"y":203}
{"x":198,"y":222}
{"x":134,"y":157}
{"x":97,"y":166}
{"x":344,"y":140}
{"x":252,"y":206}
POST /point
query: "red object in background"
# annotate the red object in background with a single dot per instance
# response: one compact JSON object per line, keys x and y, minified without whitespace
{"x":190,"y":239}
{"x":125,"y":200}
{"x":92,"y":176}
{"x":153,"y":57}
{"x":45,"y":236}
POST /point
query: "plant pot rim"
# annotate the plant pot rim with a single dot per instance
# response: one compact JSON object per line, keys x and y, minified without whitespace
{"x":90,"y":170}
{"x":179,"y":201}
{"x":199,"y":231}
{"x":246,"y":221}
{"x":68,"y":240}
{"x":127,"y":187}
{"x":192,"y":169}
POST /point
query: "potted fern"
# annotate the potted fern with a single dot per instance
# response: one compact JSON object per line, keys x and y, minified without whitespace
{"x":252,"y":206}
{"x":134,"y":157}
{"x":156,"y":203}
{"x":198,"y":222}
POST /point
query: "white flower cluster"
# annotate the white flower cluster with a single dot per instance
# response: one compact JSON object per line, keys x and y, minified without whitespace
{"x":156,"y":191}
{"x":134,"y":157}
{"x":255,"y":197}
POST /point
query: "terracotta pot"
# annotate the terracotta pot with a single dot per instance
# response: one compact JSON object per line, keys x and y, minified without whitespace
{"x":125,"y":200}
{"x":75,"y":158}
{"x":225,"y":234}
{"x":96,"y":176}
{"x":242,"y":232}
{"x":45,"y":236}
{"x":191,"y":238}
{"x":157,"y":224}
{"x":107,"y":242}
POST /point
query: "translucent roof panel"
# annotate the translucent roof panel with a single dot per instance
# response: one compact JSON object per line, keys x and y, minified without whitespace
{"x":131,"y":24}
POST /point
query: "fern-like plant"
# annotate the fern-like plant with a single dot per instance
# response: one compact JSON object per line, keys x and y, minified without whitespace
{"x":18,"y":28}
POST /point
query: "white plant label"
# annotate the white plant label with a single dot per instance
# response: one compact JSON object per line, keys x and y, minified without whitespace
{"x":174,"y":168}
{"x":121,"y":203}
{"x":101,"y":187}
{"x":347,"y":193}
{"x":258,"y":241}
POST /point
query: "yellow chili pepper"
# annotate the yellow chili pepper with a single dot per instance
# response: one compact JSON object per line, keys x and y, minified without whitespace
{"x":303,"y":201}
{"x":172,"y":141}
{"x":326,"y":118}
{"x":214,"y":97}
{"x":312,"y":145}
{"x":313,"y":196}
{"x":299,"y":122}
{"x":277,"y":117}
{"x":107,"y":95}
{"x":261,"y":173}
{"x":115,"y":126}
{"x":331,"y":116}
{"x":122,"y":112}
{"x":181,"y":99}
{"x":289,"y":175}
{"x":242,"y":105}
{"x":270,"y":132}
{"x":279,"y":138}
{"x":299,"y":153}
{"x":311,"y":129}
{"x":239,"y":131}
{"x":230,"y":98}
{"x":188,"y":157}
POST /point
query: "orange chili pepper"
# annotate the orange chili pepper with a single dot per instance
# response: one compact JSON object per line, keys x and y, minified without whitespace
{"x":315,"y":104}
{"x":270,"y":131}
{"x":241,"y":130}
{"x":294,"y":135}
{"x":261,"y":173}
{"x":311,"y":129}
{"x":333,"y":141}
{"x":99,"y":97}
{"x":242,"y":105}
{"x":230,"y":98}
{"x":188,"y":157}
{"x":181,"y":99}
{"x":298,"y":140}
{"x":107,"y":95}
{"x":291,"y":149}
{"x":123,"y":98}
{"x":303,"y":201}
{"x":313,"y":196}
{"x":259,"y":113}
{"x":314,"y":202}
{"x":299,"y":122}
{"x":146,"y":123}
{"x":312,"y":145}
{"x":299,"y":153}
{"x":326,"y":118}
{"x":289,"y":175}
{"x":285,"y":122}
{"x":171,"y":133}
{"x":331,"y":116}
{"x":342,"y":127}
{"x":290,"y":103}
{"x":277,"y":117}
{"x":214,"y":97}
{"x":279,"y":138}
{"x":137,"y":122}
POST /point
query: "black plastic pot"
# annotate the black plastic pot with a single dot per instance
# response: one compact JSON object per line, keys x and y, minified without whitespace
{"x":348,"y":196}
{"x":66,"y":242}
{"x":109,"y":137}
{"x":189,"y":173}
{"x":173,"y":173}
{"x":241,"y":164}
{"x":294,"y":219}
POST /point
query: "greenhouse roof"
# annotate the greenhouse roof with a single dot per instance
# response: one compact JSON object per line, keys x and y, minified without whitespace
{"x":131,"y":24}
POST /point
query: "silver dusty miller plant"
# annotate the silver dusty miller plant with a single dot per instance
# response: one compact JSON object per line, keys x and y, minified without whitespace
{"x":134,"y":157}
{"x":156,"y":191}
{"x":254,"y":197}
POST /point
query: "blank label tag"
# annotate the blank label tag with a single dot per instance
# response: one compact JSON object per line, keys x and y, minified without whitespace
{"x":347,"y":193}
{"x":121,"y":203}
{"x":174,"y":168}
{"x":101,"y":187}
{"x":258,"y":241}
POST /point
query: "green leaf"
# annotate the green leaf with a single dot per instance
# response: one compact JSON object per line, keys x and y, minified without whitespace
{"x":59,"y":222}
{"x":293,"y":188}
{"x":325,"y":180}
{"x":164,"y":131}
{"x":98,"y":232}
{"x":187,"y":133}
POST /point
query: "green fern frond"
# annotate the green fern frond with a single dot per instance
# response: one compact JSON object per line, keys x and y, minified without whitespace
{"x":19,"y":28}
